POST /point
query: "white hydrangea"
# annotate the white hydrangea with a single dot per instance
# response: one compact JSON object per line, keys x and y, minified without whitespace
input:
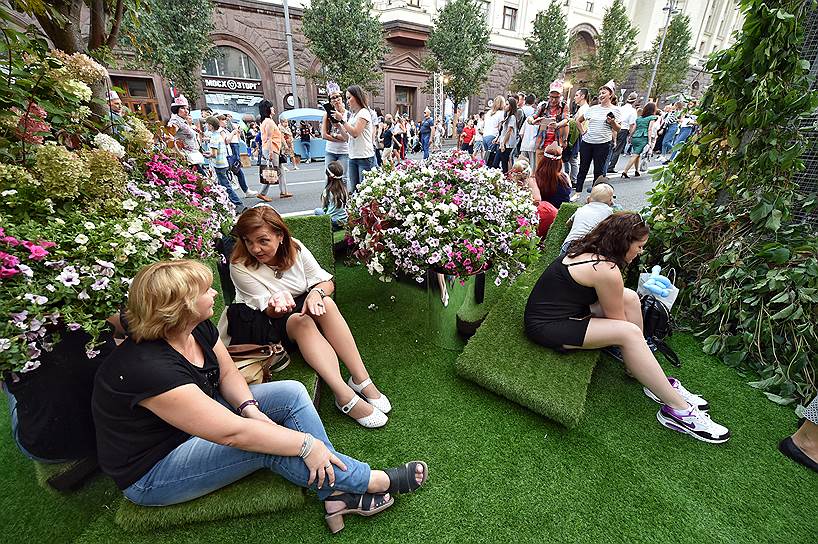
{"x":107,"y":143}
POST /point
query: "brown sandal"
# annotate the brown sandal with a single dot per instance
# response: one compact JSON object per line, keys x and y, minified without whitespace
{"x":286,"y":195}
{"x":265,"y":198}
{"x":367,"y":504}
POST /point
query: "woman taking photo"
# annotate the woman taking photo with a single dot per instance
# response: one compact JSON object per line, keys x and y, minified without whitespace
{"x":272,"y":142}
{"x":175,"y":419}
{"x":580,"y":302}
{"x":337,"y":148}
{"x":359,"y":130}
{"x":282,"y":294}
{"x":603,"y":123}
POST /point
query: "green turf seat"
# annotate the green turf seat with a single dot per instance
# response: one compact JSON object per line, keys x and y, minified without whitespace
{"x":502,"y":359}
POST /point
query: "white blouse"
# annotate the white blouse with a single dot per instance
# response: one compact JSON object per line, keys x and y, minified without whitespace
{"x":256,"y":286}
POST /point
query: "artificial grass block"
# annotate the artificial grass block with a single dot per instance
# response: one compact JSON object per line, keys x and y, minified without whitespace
{"x":261,"y":492}
{"x":315,"y":232}
{"x":551,"y":384}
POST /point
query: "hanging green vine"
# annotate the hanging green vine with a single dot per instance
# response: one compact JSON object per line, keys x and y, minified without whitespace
{"x":723,"y":211}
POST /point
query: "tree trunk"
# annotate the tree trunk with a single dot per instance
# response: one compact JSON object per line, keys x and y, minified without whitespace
{"x":67,"y":37}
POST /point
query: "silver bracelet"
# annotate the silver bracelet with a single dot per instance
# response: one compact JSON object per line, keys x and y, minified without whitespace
{"x":306,"y":446}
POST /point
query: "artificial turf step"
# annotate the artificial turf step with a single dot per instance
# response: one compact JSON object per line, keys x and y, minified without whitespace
{"x":502,"y":359}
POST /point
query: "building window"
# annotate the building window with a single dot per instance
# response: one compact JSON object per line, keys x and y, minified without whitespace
{"x":138,"y":96}
{"x":702,"y":47}
{"x":413,"y":3}
{"x":589,"y":6}
{"x":509,"y":18}
{"x":230,"y":62}
{"x":405,"y":100}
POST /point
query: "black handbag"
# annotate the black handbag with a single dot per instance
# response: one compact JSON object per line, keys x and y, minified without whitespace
{"x":491,"y":154}
{"x":268,"y":173}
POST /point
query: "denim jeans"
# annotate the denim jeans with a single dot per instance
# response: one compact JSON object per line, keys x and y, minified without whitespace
{"x":684,"y":134}
{"x":221,"y":175}
{"x":306,"y":147}
{"x":357,"y":167}
{"x":424,"y":144}
{"x":343,"y":158}
{"x":235,"y":158}
{"x":15,"y":429}
{"x":198,"y":467}
{"x":670,"y":135}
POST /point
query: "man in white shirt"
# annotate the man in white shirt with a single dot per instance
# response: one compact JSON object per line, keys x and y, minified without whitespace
{"x":628,"y":115}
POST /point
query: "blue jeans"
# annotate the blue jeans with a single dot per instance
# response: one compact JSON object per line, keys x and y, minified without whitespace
{"x":306,"y":147}
{"x":221,"y":175}
{"x":343,"y":158}
{"x":424,"y":143}
{"x":684,"y":134}
{"x":357,"y":167}
{"x":235,"y":158}
{"x":15,"y":430}
{"x":198,"y":467}
{"x":670,"y":135}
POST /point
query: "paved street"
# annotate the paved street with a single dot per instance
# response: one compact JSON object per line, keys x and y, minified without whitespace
{"x":307,"y":182}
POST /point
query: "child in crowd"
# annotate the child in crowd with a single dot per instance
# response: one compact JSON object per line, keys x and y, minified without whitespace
{"x":520,"y":172}
{"x":335,"y":195}
{"x":599,"y":207}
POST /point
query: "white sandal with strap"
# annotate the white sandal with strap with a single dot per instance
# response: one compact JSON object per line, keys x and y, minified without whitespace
{"x":372,"y":421}
{"x":382,"y":403}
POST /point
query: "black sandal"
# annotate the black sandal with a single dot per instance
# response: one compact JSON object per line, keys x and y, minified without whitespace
{"x":366,"y":504}
{"x":402,"y":479}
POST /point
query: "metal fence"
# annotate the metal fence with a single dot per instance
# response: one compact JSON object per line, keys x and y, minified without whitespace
{"x":808,"y":178}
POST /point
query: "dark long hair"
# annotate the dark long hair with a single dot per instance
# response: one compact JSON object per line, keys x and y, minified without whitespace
{"x":612,"y":238}
{"x":265,"y":110}
{"x":512,"y":108}
{"x":649,"y":109}
{"x":549,"y":175}
{"x":335,"y":185}
{"x":358,"y":93}
{"x":254,"y":218}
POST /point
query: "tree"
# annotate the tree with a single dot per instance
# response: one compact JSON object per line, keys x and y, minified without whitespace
{"x":616,"y":47}
{"x":675,"y":60}
{"x":546,"y":52}
{"x":459,"y":48}
{"x":347,"y":40}
{"x":179,"y":61}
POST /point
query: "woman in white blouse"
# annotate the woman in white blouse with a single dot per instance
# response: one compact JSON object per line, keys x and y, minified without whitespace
{"x":285,"y":297}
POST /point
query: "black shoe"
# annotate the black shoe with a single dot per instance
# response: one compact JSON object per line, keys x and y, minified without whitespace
{"x":637,"y":174}
{"x":788,"y":448}
{"x":612,"y":172}
{"x":625,"y":175}
{"x":615,"y":352}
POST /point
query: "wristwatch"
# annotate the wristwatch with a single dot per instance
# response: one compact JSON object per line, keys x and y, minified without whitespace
{"x":320,"y":292}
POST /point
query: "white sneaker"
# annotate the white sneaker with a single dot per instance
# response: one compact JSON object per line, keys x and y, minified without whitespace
{"x":691,"y":398}
{"x":693,"y":422}
{"x":381,"y":403}
{"x":295,"y":167}
{"x":250,"y":193}
{"x":372,"y":421}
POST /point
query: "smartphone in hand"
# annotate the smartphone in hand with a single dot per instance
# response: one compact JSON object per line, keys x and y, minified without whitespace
{"x":330,"y":110}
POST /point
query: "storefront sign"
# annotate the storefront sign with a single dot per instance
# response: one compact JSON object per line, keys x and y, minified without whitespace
{"x":232,"y":84}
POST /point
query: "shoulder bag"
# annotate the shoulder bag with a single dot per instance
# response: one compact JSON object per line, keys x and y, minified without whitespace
{"x":268,"y":171}
{"x":257,"y":362}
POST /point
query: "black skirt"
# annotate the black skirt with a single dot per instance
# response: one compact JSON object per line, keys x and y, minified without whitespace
{"x":248,"y":326}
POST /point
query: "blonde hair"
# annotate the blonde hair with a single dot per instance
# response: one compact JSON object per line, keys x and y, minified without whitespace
{"x":501,"y":100}
{"x":601,"y":192}
{"x":522,"y":166}
{"x":162,"y":297}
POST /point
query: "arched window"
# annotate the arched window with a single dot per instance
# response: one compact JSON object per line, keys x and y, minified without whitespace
{"x":231,"y":62}
{"x":582,"y":45}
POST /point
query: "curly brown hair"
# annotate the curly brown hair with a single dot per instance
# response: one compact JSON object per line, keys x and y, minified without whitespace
{"x":612,"y":238}
{"x":254,"y":218}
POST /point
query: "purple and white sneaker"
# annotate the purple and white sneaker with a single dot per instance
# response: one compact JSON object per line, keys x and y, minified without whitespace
{"x":693,"y":422}
{"x":691,"y":398}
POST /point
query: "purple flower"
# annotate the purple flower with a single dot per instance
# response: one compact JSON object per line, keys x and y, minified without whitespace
{"x":100,"y":284}
{"x":73,"y":326}
{"x":69,"y":277}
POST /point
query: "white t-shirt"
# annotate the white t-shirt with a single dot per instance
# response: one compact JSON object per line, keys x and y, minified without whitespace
{"x":529,"y":131}
{"x":586,"y":218}
{"x":361,"y":147}
{"x":255,"y":287}
{"x":492,"y":126}
{"x":628,"y":114}
{"x":599,"y":131}
{"x":339,"y":148}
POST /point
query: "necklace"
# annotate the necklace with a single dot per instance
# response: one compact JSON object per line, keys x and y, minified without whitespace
{"x":278,"y":273}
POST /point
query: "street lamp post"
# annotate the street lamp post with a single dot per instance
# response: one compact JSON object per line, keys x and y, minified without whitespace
{"x":289,"y":34}
{"x":671,"y":10}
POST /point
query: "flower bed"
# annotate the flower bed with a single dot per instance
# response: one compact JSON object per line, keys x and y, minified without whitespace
{"x":81,"y":211}
{"x":451,"y":214}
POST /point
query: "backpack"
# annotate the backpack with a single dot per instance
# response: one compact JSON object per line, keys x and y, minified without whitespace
{"x":658,"y":325}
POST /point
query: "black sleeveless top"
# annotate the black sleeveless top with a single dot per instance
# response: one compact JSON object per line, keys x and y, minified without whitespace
{"x":557,"y":295}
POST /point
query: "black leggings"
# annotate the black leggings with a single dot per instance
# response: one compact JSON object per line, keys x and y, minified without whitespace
{"x":588,"y":152}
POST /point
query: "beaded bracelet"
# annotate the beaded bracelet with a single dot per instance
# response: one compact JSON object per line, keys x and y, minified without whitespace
{"x":245,"y":404}
{"x":306,"y":446}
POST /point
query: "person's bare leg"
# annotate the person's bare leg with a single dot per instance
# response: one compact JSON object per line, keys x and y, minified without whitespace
{"x":806,"y":438}
{"x":632,"y":161}
{"x":320,"y":355}
{"x":638,"y":357}
{"x":633,"y":308}
{"x":337,"y":333}
{"x":378,"y":483}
